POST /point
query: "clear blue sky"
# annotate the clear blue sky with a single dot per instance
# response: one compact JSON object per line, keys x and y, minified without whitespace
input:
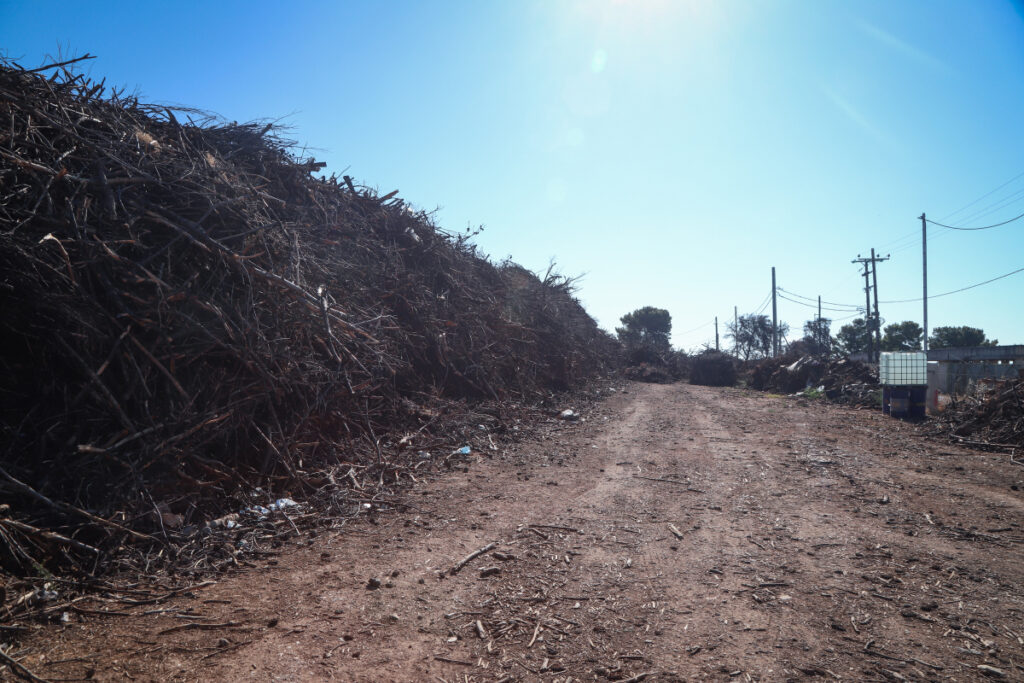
{"x":670,"y":151}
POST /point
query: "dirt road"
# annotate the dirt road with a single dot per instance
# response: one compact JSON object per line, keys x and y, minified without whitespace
{"x":679,"y":532}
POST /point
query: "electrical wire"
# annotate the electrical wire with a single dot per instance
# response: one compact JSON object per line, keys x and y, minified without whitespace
{"x":955,"y":291}
{"x":986,"y":227}
{"x":1008,"y":200}
{"x":699,"y":327}
{"x":764,"y":304}
{"x":984,"y":196}
{"x":830,"y":303}
{"x":815,"y":306}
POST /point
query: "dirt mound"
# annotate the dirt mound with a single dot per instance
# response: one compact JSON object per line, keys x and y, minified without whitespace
{"x":190,"y":314}
{"x":992,"y":417}
{"x":842,"y":381}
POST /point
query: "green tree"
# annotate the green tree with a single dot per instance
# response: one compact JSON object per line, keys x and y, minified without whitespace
{"x":949,"y":337}
{"x":853,"y":337}
{"x":645,"y":334}
{"x":818,"y":336}
{"x":647,"y":325}
{"x":904,"y":336}
{"x":752,"y":336}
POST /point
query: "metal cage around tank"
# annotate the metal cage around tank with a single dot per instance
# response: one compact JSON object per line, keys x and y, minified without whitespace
{"x":904,"y":379}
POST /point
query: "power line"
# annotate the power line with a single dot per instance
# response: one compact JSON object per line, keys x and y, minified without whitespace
{"x":815,"y":306}
{"x":830,"y":303}
{"x":984,"y":196}
{"x":907,"y":240}
{"x":699,"y":327}
{"x":994,"y":206}
{"x":764,"y":304}
{"x":986,"y":227}
{"x":955,"y":291}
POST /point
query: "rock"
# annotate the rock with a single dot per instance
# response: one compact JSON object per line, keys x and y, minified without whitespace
{"x":489,"y":571}
{"x":568,"y":414}
{"x":373,"y":584}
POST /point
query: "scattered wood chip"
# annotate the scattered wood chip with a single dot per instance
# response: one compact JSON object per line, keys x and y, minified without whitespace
{"x":472,"y":556}
{"x":991,"y":671}
{"x":194,"y":625}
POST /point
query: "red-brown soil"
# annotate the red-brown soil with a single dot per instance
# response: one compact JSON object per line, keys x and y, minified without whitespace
{"x":678,"y":532}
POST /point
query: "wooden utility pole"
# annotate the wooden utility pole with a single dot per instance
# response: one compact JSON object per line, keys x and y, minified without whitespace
{"x":735,"y":330}
{"x":867,"y":303}
{"x":878,"y":319}
{"x":775,"y":319}
{"x":820,"y":333}
{"x":924,"y":276}
{"x":872,"y":322}
{"x":716,"y":334}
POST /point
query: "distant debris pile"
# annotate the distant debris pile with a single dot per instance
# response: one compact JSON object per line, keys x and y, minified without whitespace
{"x":189,"y":313}
{"x":665,"y":368}
{"x":713,"y":369}
{"x":991,"y":417}
{"x":654,"y":373}
{"x":841,"y":381}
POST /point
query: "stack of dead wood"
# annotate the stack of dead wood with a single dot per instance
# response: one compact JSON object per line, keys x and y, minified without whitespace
{"x":189,"y":314}
{"x":713,"y":369}
{"x":992,"y":417}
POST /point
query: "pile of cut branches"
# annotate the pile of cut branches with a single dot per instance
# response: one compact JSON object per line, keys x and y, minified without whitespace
{"x":713,"y":369}
{"x":992,"y":417}
{"x":841,"y":380}
{"x":189,"y":314}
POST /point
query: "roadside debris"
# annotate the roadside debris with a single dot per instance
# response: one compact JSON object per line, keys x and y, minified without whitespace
{"x":840,"y":381}
{"x":993,"y":417}
{"x":713,"y":369}
{"x":190,"y":309}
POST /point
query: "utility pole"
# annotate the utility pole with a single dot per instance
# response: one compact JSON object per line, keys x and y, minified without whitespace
{"x":873,"y":326}
{"x":775,"y":320}
{"x":716,"y":334}
{"x":867,"y":310}
{"x":735,"y":330}
{"x":819,"y":333}
{"x":924,"y":274}
{"x":878,"y":319}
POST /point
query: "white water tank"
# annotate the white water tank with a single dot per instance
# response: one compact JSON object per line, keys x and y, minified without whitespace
{"x":903,"y":368}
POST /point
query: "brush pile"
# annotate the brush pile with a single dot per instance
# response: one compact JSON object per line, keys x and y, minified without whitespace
{"x":713,"y":369}
{"x":189,"y":314}
{"x":841,"y":381}
{"x":992,"y":417}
